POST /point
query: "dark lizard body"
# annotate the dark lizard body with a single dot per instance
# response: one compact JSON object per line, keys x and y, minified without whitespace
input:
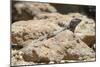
{"x":73,"y":24}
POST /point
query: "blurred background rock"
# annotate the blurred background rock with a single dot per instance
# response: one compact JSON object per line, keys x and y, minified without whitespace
{"x":27,"y":10}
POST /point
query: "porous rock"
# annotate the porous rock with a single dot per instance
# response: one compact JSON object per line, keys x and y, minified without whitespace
{"x":57,"y":18}
{"x":86,"y":31}
{"x":64,"y":46}
{"x":27,"y":10}
{"x":26,"y":31}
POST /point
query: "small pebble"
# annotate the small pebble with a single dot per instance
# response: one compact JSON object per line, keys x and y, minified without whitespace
{"x":51,"y":62}
{"x":62,"y":61}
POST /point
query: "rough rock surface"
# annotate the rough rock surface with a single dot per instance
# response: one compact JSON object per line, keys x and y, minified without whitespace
{"x":56,"y":17}
{"x":17,"y":58}
{"x":23,"y":31}
{"x":41,"y":35}
{"x":85,"y":29}
{"x":62,"y":46}
{"x":27,"y":10}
